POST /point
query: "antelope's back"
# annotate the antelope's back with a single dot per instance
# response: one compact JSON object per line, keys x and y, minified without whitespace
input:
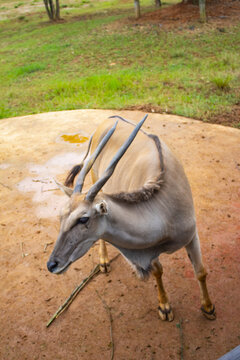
{"x":139,"y":165}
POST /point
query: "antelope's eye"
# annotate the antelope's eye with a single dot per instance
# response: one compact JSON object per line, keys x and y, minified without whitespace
{"x":83,"y":220}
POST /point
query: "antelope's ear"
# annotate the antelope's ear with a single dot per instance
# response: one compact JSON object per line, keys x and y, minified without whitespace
{"x":68,"y":191}
{"x":101,"y":207}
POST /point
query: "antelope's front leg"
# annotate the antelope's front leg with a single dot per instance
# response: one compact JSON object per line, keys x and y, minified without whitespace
{"x":164,"y":309}
{"x":103,"y":257}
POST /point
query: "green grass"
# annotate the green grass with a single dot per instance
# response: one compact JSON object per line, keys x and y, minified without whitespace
{"x":222,"y":83}
{"x":17,"y":5}
{"x":94,"y":60}
{"x":25,"y":70}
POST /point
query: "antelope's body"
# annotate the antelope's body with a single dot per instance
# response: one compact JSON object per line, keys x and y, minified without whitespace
{"x":143,"y":207}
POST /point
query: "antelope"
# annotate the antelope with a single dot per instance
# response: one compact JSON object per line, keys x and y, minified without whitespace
{"x":140,"y":202}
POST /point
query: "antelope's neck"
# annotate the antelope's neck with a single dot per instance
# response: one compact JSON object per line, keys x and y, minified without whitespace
{"x":132,"y":226}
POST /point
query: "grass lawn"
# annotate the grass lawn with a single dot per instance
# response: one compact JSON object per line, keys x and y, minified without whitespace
{"x":95,"y":59}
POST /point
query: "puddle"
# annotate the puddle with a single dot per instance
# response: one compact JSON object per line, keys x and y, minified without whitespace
{"x":57,"y":164}
{"x":43,"y":186}
{"x":76,"y":139}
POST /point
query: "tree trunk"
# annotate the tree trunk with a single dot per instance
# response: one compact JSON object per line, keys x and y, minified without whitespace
{"x":137,"y":9}
{"x":52,"y":10}
{"x":57,"y":10}
{"x":158,"y":3}
{"x":202,"y":10}
{"x":47,"y":9}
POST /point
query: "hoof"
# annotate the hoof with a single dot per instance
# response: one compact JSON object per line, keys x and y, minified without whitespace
{"x":165,"y":312}
{"x":210,"y":315}
{"x":105,"y":267}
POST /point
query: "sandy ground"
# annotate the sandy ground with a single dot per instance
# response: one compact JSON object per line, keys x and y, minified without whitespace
{"x":32,"y":152}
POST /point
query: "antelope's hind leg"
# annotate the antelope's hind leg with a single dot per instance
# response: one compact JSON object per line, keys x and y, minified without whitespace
{"x":194,"y":253}
{"x":103,"y":257}
{"x":164,"y":309}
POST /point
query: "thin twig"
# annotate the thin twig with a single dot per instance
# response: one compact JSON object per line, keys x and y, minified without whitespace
{"x":49,"y":190}
{"x":46,"y":245}
{"x":107,"y":308}
{"x":23,"y":255}
{"x":6,"y":186}
{"x":179,"y":326}
{"x":75,"y":292}
{"x":70,"y":299}
{"x":41,"y":181}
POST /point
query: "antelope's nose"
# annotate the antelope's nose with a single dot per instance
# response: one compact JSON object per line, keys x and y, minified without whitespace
{"x":51,"y":265}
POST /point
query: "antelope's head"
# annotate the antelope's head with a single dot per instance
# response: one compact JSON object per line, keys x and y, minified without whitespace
{"x":83,"y":220}
{"x":82,"y":223}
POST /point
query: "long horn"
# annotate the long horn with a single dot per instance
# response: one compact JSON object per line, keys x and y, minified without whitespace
{"x":127,"y":121}
{"x":111,"y":167}
{"x":88,"y":165}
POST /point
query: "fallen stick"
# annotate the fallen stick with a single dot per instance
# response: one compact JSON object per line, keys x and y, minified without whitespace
{"x":23,"y":255}
{"x":49,"y":190}
{"x":41,"y":181}
{"x":107,"y":308}
{"x":6,"y":186}
{"x":179,"y":326}
{"x":22,"y":249}
{"x":46,"y":245}
{"x":70,"y":299}
{"x":75,"y":292}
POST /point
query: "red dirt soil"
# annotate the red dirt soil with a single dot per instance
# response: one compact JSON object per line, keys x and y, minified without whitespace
{"x":31,"y":153}
{"x":219,"y":13}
